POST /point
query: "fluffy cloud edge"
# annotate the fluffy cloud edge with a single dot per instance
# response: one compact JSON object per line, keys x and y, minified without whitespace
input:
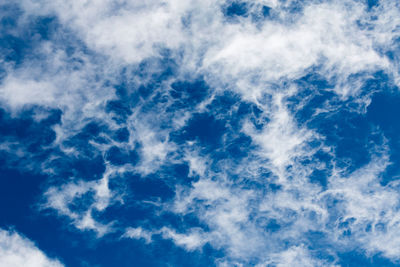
{"x":17,"y":250}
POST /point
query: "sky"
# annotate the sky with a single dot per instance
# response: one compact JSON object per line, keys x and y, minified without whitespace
{"x":199,"y":133}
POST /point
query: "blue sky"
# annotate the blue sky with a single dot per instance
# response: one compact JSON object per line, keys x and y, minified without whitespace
{"x":199,"y":133}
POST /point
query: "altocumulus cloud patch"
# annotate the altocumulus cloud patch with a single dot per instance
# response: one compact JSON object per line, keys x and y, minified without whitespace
{"x":199,"y":133}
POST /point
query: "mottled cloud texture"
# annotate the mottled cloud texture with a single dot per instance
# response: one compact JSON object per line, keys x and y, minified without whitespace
{"x":240,"y":133}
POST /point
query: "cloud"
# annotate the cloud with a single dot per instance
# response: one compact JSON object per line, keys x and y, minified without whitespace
{"x":299,"y":256}
{"x":16,"y":251}
{"x":17,"y":93}
{"x":129,"y":67}
{"x":195,"y":239}
{"x":79,"y":200}
{"x":368,"y":211}
{"x":190,"y":241}
{"x":138,"y":233}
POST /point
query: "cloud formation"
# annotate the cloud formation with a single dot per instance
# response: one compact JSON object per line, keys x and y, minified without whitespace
{"x":16,"y":251}
{"x":241,"y":127}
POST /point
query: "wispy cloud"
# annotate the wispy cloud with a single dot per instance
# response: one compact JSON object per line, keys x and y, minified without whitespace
{"x":218,"y":103}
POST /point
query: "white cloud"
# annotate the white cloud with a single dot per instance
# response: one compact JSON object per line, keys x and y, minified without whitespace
{"x":259,"y":61}
{"x":17,"y":251}
{"x":18,"y":93}
{"x":195,"y":239}
{"x":325,"y":34}
{"x":96,"y":195}
{"x":295,"y":256}
{"x":138,"y":233}
{"x":281,"y":141}
{"x":369,"y":210}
